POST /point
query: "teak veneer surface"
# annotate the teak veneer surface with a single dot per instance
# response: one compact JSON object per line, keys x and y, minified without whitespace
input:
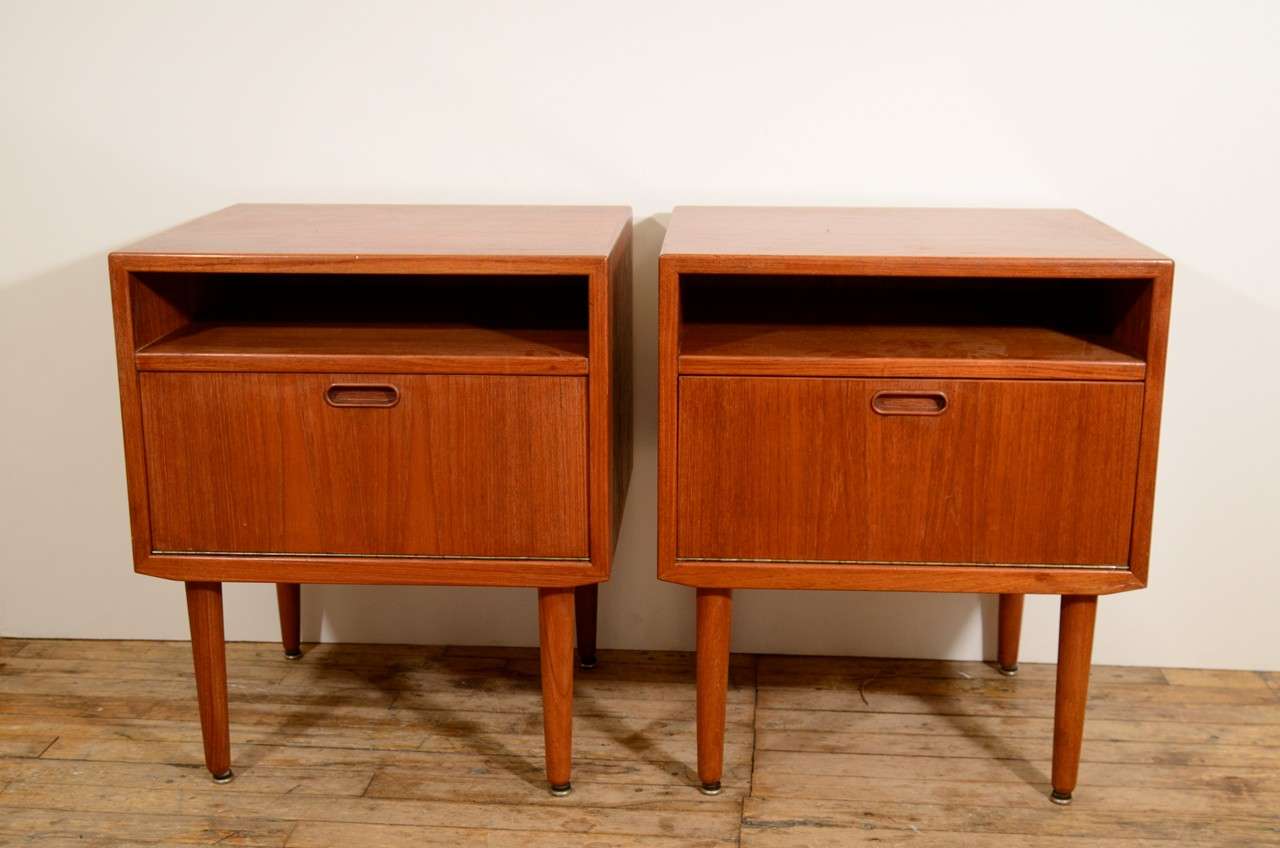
{"x":353,"y":230}
{"x":386,"y":293}
{"x":378,"y":395}
{"x":396,"y":348}
{"x":893,"y":350}
{"x":787,"y":461}
{"x":804,"y":469}
{"x":830,"y":293}
{"x":1005,"y":234}
{"x":462,"y":466}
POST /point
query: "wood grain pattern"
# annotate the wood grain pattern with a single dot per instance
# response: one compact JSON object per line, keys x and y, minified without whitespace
{"x":887,"y":234}
{"x":204,"y":611}
{"x":787,"y":461}
{"x":1009,"y":633}
{"x":609,"y":394}
{"x":669,"y":320}
{"x":555,"y":640}
{"x":1124,"y":294}
{"x":370,"y":570}
{"x":1156,"y":324}
{"x":280,"y":424}
{"x":289,"y":601}
{"x":896,"y":577}
{"x":966,"y":486}
{"x":466,"y":466}
{"x":514,"y":281}
{"x":367,"y":348}
{"x":806,"y":350}
{"x":251,"y":230}
{"x":840,"y":751}
{"x":621,"y":399}
{"x":715,"y":622}
{"x":1075,"y":655}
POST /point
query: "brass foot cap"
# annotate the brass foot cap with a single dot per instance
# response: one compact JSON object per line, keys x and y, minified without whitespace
{"x":226,"y":777}
{"x":296,"y":655}
{"x":587,"y":663}
{"x":561,"y":789}
{"x":1011,"y":671}
{"x":710,"y":788}
{"x":1062,"y":799}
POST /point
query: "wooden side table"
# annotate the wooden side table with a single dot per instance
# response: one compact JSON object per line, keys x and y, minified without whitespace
{"x":908,"y":400}
{"x":381,"y":395}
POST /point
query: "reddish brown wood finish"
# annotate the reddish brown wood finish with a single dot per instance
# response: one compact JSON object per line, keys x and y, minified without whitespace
{"x":586,"y":601}
{"x":208,"y":650}
{"x":619,"y":391}
{"x":453,"y":244}
{"x":887,"y":236}
{"x":373,"y":348}
{"x":1152,"y":316}
{"x":289,"y":600}
{"x":1075,"y":653}
{"x":715,"y":619}
{"x":1010,"y":634}
{"x":796,"y":470}
{"x":382,"y":571}
{"x":555,"y":636}
{"x":289,"y":231}
{"x":461,"y":466}
{"x":780,"y":465}
{"x":896,"y":577}
{"x":479,"y":432}
{"x":800,"y":350}
{"x":1037,"y":247}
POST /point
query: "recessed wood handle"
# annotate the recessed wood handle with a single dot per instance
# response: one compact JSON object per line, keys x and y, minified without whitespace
{"x":909,"y":403}
{"x":362,"y":394}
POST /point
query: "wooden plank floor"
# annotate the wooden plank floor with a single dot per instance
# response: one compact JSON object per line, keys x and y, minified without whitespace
{"x":361,"y":745}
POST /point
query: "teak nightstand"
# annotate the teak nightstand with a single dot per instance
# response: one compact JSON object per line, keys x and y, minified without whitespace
{"x":931,"y":400}
{"x":379,"y":394}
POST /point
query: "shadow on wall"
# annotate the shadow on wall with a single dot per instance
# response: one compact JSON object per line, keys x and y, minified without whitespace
{"x":65,"y":561}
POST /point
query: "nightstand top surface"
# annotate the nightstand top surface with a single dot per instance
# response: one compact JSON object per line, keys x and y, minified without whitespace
{"x":898,"y":233}
{"x":354,"y":230}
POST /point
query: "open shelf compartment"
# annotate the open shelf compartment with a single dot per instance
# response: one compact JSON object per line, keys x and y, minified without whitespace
{"x":401,"y":324}
{"x":912,"y":327}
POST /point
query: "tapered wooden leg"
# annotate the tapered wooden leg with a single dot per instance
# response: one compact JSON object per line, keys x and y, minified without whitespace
{"x":1075,"y":653}
{"x":715,"y":614}
{"x":209,"y":650}
{"x":585,"y":599}
{"x":555,"y":639}
{"x":1010,"y":634}
{"x":289,"y":599}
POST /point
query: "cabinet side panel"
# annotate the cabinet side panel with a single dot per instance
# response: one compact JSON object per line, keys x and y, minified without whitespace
{"x":135,"y":464}
{"x":1156,"y":346}
{"x":622,"y":395}
{"x":668,"y":410}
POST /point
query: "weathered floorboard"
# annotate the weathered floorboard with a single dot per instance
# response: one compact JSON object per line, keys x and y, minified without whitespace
{"x":408,"y":745}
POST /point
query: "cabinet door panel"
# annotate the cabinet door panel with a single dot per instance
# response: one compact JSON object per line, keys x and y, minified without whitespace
{"x":924,"y":471}
{"x":374,"y":464}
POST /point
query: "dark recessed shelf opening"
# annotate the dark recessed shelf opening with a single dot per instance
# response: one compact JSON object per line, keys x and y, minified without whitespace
{"x":930,"y":327}
{"x":301,"y":322}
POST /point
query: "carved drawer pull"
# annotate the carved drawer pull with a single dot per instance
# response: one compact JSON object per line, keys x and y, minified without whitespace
{"x":909,"y":403}
{"x":362,"y":395}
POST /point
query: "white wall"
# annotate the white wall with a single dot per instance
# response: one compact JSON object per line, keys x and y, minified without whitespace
{"x":1163,"y":119}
